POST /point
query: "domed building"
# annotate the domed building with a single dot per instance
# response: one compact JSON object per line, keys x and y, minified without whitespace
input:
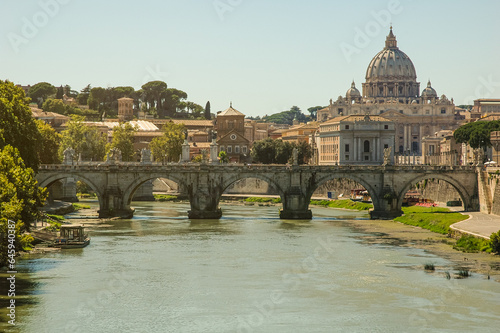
{"x":391,"y":91}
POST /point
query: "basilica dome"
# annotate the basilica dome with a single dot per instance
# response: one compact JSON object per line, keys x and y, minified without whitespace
{"x":429,"y":91}
{"x":391,"y":73}
{"x":353,"y":92}
{"x":391,"y":63}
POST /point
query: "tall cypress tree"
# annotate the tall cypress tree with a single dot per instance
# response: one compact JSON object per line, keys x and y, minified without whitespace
{"x":208,"y":116}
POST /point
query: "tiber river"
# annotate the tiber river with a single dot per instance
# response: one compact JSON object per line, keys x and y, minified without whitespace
{"x":248,"y":272}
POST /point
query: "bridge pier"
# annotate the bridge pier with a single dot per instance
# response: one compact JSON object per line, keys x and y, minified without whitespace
{"x":204,"y":199}
{"x":295,"y":205}
{"x":112,"y":205}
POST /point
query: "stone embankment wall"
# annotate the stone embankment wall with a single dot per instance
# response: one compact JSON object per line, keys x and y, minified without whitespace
{"x":437,"y":190}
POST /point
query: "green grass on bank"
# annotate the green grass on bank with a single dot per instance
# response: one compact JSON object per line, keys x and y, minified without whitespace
{"x":435,"y":219}
{"x":472,"y":244}
{"x":346,"y":204}
{"x":260,"y":199}
{"x":78,"y":206}
{"x":164,"y":197}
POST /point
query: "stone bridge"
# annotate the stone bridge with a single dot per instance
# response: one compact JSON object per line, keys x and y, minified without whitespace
{"x":115,"y":184}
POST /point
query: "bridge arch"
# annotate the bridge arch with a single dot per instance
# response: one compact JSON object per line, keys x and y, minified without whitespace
{"x":129,"y":191}
{"x":227,"y":182}
{"x":377,"y":202}
{"x":462,"y":191}
{"x":47,"y":182}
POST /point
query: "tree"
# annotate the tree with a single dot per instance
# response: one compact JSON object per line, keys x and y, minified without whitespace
{"x":83,"y":96}
{"x":476,"y":134}
{"x":208,"y":115}
{"x":495,"y":242}
{"x":123,"y":139}
{"x":20,"y":198}
{"x":153,"y":94}
{"x":85,"y":140}
{"x":223,"y":158}
{"x":286,"y":117}
{"x":48,"y":153}
{"x":168,"y":147}
{"x":314,"y":110}
{"x":60,"y":93}
{"x":40,"y":92}
{"x":173,"y":101}
{"x":17,"y":126}
{"x":269,"y":151}
{"x":56,"y":106}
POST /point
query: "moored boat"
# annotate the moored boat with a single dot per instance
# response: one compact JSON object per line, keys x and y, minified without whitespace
{"x":71,"y":236}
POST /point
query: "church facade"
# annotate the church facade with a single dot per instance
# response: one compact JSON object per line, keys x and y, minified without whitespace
{"x":392,"y":92}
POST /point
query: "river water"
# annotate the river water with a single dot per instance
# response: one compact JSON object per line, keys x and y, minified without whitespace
{"x":248,"y":272}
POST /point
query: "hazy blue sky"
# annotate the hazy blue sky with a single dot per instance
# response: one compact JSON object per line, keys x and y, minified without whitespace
{"x":264,"y":55}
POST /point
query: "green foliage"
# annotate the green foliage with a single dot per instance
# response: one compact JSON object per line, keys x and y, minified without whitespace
{"x":223,"y":158}
{"x":83,"y":96}
{"x":286,"y":117}
{"x":164,"y":197}
{"x":471,"y":244}
{"x":435,"y":219}
{"x":261,"y":199}
{"x":476,"y":134}
{"x":269,"y":151}
{"x":123,"y":139}
{"x":495,"y":242}
{"x":346,"y":204}
{"x":168,"y":148}
{"x":20,"y":198}
{"x":40,"y":92}
{"x":84,"y":139}
{"x":208,"y":114}
{"x":314,"y":110}
{"x":17,"y":126}
{"x":78,"y":206}
{"x":48,"y":153}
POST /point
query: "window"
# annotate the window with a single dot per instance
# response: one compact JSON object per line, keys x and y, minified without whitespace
{"x":221,"y":148}
{"x":229,"y":149}
{"x":386,"y":126}
{"x":340,"y":110}
{"x":244,"y":149}
{"x":427,"y":111}
{"x":237,"y":149}
{"x":366,"y":158}
{"x":347,"y":148}
{"x":347,"y":157}
{"x":366,"y":146}
{"x":443,"y":110}
{"x":346,"y":126}
{"x":386,"y":146}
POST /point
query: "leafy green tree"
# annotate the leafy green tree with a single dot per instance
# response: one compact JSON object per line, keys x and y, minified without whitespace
{"x":154,"y":93}
{"x":173,"y":101}
{"x":40,"y":92}
{"x":17,"y":126}
{"x":83,"y":96}
{"x":123,"y":139}
{"x":495,"y":242}
{"x":48,"y":153}
{"x":223,"y":158}
{"x":269,"y":151}
{"x":20,"y":198}
{"x":168,"y":147}
{"x":84,"y":139}
{"x":314,"y":110}
{"x":286,"y":117}
{"x":56,"y":106}
{"x":476,"y":134}
{"x":60,"y":93}
{"x":208,"y":114}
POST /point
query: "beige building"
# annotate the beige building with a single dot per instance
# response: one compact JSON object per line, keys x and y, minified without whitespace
{"x":125,"y":109}
{"x":354,"y":140}
{"x":230,"y":126}
{"x":391,"y":90}
{"x":486,"y":106}
{"x":300,"y":132}
{"x":255,"y":131}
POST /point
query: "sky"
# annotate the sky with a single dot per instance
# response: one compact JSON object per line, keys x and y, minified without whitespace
{"x":264,"y":56}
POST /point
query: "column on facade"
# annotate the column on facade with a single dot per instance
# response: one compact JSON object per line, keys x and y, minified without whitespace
{"x":376,"y":148}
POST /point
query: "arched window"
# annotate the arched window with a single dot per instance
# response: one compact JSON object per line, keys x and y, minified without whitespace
{"x":367,"y":146}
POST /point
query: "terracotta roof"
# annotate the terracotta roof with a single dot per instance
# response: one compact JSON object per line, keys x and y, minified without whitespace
{"x":230,"y":112}
{"x":200,"y":144}
{"x":40,"y":114}
{"x":186,"y":122}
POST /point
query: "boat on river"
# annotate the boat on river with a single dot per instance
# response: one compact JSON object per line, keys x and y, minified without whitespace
{"x":71,"y":236}
{"x":356,"y":195}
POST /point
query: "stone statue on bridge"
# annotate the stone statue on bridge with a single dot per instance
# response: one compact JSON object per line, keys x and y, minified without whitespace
{"x":295,"y":156}
{"x":146,"y":156}
{"x":69,"y":154}
{"x":387,"y":156}
{"x":114,"y":155}
{"x":478,"y":156}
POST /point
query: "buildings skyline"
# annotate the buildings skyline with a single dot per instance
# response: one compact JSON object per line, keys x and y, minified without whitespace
{"x":264,"y":57}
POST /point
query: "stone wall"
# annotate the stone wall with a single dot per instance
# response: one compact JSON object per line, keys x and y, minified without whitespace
{"x":437,"y":190}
